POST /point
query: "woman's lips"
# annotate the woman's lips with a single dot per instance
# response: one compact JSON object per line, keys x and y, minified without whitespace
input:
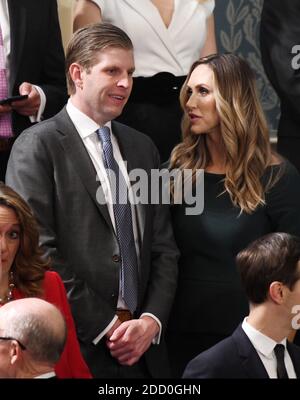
{"x":194,"y":117}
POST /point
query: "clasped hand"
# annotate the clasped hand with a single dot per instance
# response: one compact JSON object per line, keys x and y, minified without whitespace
{"x":131,"y":339}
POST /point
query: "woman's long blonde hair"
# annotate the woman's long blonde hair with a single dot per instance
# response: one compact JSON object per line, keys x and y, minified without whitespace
{"x":244,"y":131}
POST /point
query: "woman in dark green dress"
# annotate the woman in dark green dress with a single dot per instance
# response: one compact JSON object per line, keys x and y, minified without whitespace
{"x":249,"y":191}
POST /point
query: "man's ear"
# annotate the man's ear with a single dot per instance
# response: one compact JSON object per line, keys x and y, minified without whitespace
{"x":75,"y":71}
{"x":15,"y":352}
{"x":277,"y":292}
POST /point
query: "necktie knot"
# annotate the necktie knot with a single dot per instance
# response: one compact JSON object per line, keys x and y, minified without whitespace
{"x":104,"y":134}
{"x":279,"y":350}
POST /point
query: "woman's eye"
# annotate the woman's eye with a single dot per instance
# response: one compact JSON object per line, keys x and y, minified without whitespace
{"x":14,"y":235}
{"x":203,"y":91}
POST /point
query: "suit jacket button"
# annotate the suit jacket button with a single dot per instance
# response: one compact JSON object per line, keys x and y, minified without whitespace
{"x":116,"y":258}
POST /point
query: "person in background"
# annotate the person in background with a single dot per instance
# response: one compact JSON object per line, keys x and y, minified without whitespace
{"x":248,"y":192}
{"x":279,"y":46}
{"x":32,"y":338}
{"x":24,"y":272}
{"x":168,"y":36}
{"x":117,"y":258}
{"x":31,"y":63}
{"x":258,"y":348}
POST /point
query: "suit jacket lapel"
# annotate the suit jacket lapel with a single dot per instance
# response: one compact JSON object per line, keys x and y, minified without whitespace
{"x":251,"y":362}
{"x":76,"y":152}
{"x":126,"y":146}
{"x":149,"y":12}
{"x":295,"y":357}
{"x":18,"y":21}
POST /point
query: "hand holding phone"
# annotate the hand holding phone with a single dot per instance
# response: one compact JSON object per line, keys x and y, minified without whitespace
{"x":11,"y":99}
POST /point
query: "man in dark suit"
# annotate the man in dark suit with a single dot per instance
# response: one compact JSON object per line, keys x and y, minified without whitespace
{"x":32,"y":338}
{"x":34,"y":60}
{"x":270,"y":273}
{"x":279,"y":43}
{"x":56,"y":166}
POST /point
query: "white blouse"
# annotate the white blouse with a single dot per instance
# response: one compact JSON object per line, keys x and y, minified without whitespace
{"x":156,"y":47}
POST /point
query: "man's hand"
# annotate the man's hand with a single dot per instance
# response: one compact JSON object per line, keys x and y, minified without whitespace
{"x":5,"y":108}
{"x":113,"y":328}
{"x":30,"y":106}
{"x":131,"y":339}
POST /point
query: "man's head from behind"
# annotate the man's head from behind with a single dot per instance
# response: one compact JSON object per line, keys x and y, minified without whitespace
{"x":32,"y":338}
{"x":269,"y":265}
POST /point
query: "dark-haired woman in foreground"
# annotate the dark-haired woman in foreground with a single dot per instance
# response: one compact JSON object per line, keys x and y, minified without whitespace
{"x":25,"y":273}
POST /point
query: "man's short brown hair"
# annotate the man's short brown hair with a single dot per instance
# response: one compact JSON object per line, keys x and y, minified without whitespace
{"x":273,"y":257}
{"x":88,"y":41}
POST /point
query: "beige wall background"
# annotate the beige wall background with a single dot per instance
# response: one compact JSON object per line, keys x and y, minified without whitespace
{"x":65,"y":12}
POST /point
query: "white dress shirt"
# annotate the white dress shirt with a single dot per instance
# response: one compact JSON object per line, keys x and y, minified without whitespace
{"x":87,"y":128}
{"x":265,"y":349}
{"x":5,"y":28}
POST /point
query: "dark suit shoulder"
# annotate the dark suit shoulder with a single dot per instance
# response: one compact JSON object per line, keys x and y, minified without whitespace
{"x":35,"y":135}
{"x":217,"y":362}
{"x":294,"y":349}
{"x":40,"y":127}
{"x":132,"y":134}
{"x":48,"y":128}
{"x":36,"y":146}
{"x":136,"y":146}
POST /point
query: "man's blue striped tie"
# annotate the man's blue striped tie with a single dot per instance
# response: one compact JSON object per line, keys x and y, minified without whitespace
{"x":123,"y":221}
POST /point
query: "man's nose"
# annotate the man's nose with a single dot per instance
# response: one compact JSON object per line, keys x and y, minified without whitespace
{"x":125,"y":81}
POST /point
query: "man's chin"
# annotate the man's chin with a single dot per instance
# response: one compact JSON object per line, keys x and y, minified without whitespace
{"x":116,"y":114}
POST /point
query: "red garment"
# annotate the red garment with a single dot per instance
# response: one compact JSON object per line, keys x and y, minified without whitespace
{"x":71,"y":363}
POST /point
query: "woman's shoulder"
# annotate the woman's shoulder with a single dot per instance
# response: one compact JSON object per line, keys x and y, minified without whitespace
{"x":54,"y":290}
{"x":283,"y":168}
{"x":110,"y":6}
{"x":285,"y":182}
{"x":52,"y":282}
{"x":52,"y":276}
{"x":208,"y":6}
{"x":283,"y":199}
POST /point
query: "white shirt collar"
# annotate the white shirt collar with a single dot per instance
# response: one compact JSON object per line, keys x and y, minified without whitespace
{"x":46,"y":375}
{"x":262,"y":343}
{"x":84,"y":124}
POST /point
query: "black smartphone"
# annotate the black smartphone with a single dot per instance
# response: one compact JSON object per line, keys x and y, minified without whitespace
{"x":11,"y":99}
